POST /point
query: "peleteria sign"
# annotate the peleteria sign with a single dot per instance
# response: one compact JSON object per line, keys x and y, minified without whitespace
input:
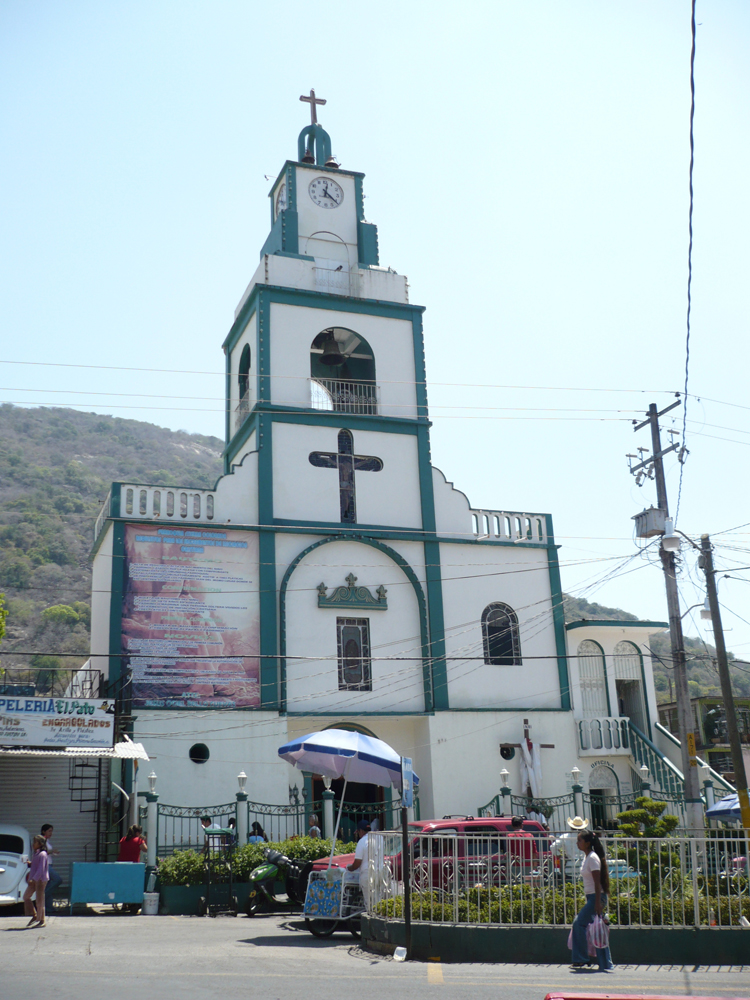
{"x":56,"y":722}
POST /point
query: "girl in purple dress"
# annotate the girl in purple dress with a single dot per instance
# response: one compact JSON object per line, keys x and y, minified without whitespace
{"x":36,"y":883}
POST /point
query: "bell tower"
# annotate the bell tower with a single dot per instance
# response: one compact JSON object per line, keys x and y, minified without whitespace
{"x":325,"y":376}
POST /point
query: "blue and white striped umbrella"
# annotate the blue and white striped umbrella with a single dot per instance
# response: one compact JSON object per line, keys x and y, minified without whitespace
{"x":339,"y":753}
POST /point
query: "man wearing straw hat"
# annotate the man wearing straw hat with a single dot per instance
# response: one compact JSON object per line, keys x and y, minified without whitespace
{"x":566,"y":848}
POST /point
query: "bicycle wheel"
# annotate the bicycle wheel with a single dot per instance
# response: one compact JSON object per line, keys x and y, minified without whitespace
{"x":321,"y":928}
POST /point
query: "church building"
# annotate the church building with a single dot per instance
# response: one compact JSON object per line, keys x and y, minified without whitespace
{"x":335,"y":577}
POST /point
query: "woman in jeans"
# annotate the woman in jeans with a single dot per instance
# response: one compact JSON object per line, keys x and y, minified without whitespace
{"x":595,"y":886}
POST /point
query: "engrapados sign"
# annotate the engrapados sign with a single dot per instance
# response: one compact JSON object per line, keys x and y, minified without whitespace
{"x":56,"y":722}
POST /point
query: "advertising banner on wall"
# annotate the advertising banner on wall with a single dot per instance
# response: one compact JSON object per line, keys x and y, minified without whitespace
{"x":190,"y":617}
{"x":56,"y":722}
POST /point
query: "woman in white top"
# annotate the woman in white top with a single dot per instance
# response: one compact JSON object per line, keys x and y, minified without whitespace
{"x":596,"y":886}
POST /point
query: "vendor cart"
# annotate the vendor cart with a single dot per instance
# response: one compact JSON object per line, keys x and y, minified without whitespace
{"x":217,"y":862}
{"x":334,"y":901}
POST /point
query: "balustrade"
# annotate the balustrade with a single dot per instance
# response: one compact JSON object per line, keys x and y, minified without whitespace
{"x":343,"y":396}
{"x":605,"y":733}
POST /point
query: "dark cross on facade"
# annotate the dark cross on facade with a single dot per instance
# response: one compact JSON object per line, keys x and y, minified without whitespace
{"x":312,"y":100}
{"x":347,"y":463}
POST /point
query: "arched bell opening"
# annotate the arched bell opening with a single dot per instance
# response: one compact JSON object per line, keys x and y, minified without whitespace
{"x":243,"y":374}
{"x":342,"y":372}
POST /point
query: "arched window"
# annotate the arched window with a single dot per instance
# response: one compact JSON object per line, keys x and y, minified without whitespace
{"x":629,"y":684}
{"x":593,"y":680}
{"x":502,"y":643}
{"x":243,"y":376}
{"x":342,"y":372}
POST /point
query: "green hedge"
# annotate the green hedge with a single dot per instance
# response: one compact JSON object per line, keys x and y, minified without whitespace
{"x":189,"y":867}
{"x":529,"y":905}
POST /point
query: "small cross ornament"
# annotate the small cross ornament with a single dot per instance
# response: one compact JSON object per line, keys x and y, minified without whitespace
{"x":312,"y":100}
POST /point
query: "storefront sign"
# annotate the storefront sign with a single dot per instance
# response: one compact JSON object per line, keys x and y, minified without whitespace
{"x":56,"y":722}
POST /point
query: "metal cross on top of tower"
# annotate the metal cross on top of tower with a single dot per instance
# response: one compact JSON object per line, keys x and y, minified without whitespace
{"x":312,"y":100}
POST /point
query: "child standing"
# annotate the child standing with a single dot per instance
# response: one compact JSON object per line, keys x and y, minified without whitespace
{"x":37,"y":883}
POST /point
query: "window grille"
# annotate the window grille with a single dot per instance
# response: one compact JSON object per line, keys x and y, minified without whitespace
{"x":500,"y":634}
{"x":353,"y":645}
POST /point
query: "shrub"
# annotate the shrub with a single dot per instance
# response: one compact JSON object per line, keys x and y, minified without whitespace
{"x":188,"y":867}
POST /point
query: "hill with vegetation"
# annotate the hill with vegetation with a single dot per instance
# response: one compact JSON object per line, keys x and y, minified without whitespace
{"x":703,"y":676}
{"x":56,"y":466}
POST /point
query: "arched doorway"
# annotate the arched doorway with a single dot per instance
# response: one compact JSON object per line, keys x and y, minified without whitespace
{"x":604,"y":797}
{"x":342,"y":372}
{"x":362,"y":801}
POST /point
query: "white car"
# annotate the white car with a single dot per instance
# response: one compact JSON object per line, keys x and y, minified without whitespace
{"x":15,"y":849}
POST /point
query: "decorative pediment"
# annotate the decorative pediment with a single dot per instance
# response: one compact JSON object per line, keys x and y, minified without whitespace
{"x":351,"y":596}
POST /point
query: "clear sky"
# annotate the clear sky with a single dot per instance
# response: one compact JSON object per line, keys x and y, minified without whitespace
{"x":527,"y":166}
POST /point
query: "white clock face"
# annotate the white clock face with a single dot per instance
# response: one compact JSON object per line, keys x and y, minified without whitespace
{"x":326,"y":193}
{"x":281,"y":199}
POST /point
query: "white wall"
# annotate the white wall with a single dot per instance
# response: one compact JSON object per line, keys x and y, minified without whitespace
{"x":237,"y":741}
{"x":306,"y":492}
{"x":312,"y":218}
{"x":248,"y":336}
{"x":101,"y":599}
{"x":237,"y":493}
{"x":293,"y":329}
{"x":452,"y":508}
{"x":312,"y":681}
{"x":473,"y":577}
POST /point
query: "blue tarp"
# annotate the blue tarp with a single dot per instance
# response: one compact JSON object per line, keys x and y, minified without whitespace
{"x":726,"y":808}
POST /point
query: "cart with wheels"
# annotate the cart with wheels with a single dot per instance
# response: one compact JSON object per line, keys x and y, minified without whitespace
{"x":217,"y":862}
{"x":334,"y":901}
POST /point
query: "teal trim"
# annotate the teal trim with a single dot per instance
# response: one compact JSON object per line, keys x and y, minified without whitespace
{"x":284,"y":235}
{"x":264,"y":348}
{"x":558,"y":615}
{"x":314,"y":135}
{"x":320,"y":300}
{"x":356,"y":715}
{"x":616,"y":624}
{"x":367,"y":244}
{"x":359,"y":197}
{"x":352,"y":597}
{"x":267,"y":570}
{"x":291,"y":186}
{"x":408,"y":572}
{"x":115,"y":504}
{"x":117,"y":588}
{"x":324,"y":418}
{"x":420,"y":370}
{"x":645,"y":693}
{"x":228,"y":415}
{"x":501,"y":708}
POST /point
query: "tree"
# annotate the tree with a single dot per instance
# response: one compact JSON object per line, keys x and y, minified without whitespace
{"x":647,"y":819}
{"x":3,"y":615}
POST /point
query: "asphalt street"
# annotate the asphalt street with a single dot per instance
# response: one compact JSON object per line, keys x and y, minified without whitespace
{"x":273,"y":957}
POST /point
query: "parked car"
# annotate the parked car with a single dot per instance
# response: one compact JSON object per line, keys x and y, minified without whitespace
{"x":474,"y":851}
{"x":15,"y":851}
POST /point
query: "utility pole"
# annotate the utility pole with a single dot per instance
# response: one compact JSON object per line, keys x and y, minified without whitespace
{"x":740,"y":778}
{"x":693,"y":803}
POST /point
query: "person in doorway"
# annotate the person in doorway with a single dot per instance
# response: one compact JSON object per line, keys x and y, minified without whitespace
{"x":257,"y":834}
{"x":532,"y":813}
{"x":132,"y":845}
{"x":565,"y":847}
{"x":596,"y":888}
{"x":36,"y":883}
{"x":522,"y":846}
{"x":54,"y":878}
{"x":313,"y":829}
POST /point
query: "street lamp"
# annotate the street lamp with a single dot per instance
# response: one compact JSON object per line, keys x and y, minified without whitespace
{"x":575,"y":774}
{"x":242,"y":780}
{"x":643,"y":772}
{"x":152,"y":782}
{"x":504,"y":775}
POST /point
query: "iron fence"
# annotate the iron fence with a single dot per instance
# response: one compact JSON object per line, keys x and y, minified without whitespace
{"x":178,"y":828}
{"x":282,"y":822}
{"x":500,"y":879}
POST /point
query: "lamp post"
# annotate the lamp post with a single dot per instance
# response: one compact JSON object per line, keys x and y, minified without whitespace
{"x":645,"y":783}
{"x":708,"y":786}
{"x":152,"y":799}
{"x":575,"y":773}
{"x":328,"y":797}
{"x":505,"y":792}
{"x":241,"y":796}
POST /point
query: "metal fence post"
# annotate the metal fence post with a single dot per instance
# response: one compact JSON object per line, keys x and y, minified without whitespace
{"x":694,"y":875}
{"x":152,"y":827}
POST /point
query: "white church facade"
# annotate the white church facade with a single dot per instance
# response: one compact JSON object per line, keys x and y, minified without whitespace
{"x":334,"y":576}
